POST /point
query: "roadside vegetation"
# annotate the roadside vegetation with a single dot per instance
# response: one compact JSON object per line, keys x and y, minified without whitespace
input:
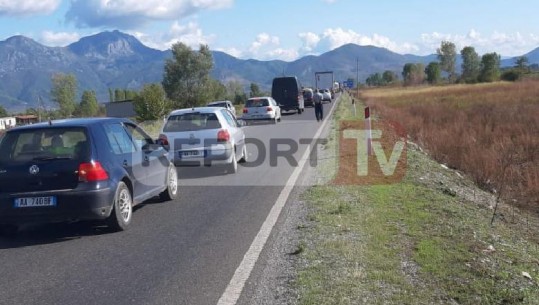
{"x":425,"y":240}
{"x":488,"y":131}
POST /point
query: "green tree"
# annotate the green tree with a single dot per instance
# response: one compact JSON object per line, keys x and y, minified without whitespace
{"x":433,"y":72}
{"x":413,"y":74}
{"x":471,"y":65}
{"x":119,"y":95}
{"x":521,"y":64}
{"x":490,"y":67}
{"x":187,"y":75}
{"x":3,"y":112}
{"x":390,"y":77}
{"x":130,"y":94}
{"x":151,"y":103}
{"x":235,"y":92}
{"x":111,"y":95}
{"x":63,"y":92}
{"x":254,"y":90}
{"x":447,"y":55}
{"x":375,"y":79}
{"x":88,"y":106}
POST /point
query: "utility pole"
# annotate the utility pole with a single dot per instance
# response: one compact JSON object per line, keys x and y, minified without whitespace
{"x":357,"y":79}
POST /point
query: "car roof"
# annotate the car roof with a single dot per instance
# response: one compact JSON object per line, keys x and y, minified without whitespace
{"x":260,"y":97}
{"x":74,"y":122}
{"x":219,"y":102}
{"x":196,"y":109}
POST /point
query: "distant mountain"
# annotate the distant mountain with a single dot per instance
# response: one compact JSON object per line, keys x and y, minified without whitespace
{"x":118,"y":60}
{"x":533,"y":58}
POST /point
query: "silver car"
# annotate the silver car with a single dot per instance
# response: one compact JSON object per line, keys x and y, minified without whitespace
{"x":205,"y":136}
{"x":225,"y":104}
{"x":261,"y":108}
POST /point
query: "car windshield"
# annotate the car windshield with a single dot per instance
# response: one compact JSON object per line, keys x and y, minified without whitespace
{"x":44,"y":144}
{"x":257,"y":103}
{"x":192,"y":121}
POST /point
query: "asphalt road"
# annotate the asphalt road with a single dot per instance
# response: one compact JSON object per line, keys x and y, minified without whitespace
{"x":180,"y":252}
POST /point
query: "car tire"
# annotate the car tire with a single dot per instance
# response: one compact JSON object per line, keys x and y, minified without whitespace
{"x":232,"y":168}
{"x":122,"y":209}
{"x":172,"y":185}
{"x":243,"y":155}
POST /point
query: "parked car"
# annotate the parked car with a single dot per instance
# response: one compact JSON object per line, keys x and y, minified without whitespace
{"x":308,"y":97}
{"x":77,"y":169}
{"x":286,"y":91}
{"x":326,"y":95}
{"x":225,"y":104}
{"x":261,"y":108}
{"x":205,"y":136}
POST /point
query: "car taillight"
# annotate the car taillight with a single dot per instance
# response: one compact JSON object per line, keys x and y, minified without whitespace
{"x":223,"y":135}
{"x":269,"y":109}
{"x":92,"y":171}
{"x":245,"y":110}
{"x":163,"y":140}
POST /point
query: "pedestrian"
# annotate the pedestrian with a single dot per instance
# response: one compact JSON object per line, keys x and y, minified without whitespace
{"x":318,"y":106}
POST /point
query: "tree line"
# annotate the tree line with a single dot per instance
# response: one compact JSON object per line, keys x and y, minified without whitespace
{"x":474,"y":69}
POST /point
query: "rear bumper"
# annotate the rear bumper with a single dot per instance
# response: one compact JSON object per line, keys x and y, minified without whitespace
{"x":73,"y":204}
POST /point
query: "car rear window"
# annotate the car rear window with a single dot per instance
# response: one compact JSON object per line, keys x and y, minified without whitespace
{"x":191,"y":121}
{"x":257,"y":103}
{"x":217,"y":105}
{"x":44,"y":144}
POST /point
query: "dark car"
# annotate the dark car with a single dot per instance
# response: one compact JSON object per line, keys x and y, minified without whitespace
{"x":79,"y":169}
{"x":287,"y":92}
{"x":308,"y":97}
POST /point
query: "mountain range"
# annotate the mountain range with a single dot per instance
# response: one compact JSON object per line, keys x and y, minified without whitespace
{"x":118,"y":60}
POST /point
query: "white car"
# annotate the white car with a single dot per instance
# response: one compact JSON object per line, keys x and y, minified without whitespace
{"x":261,"y":108}
{"x":225,"y":104}
{"x":205,"y":136}
{"x":326,"y":95}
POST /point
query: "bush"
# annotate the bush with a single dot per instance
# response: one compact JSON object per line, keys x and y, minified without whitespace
{"x":510,"y":76}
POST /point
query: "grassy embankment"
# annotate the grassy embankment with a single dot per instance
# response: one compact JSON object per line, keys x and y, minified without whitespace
{"x":424,"y":240}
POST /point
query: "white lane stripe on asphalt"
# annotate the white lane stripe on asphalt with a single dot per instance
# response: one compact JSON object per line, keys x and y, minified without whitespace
{"x":235,"y":286}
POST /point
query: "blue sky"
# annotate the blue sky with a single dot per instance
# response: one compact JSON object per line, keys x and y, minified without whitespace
{"x":283,"y":29}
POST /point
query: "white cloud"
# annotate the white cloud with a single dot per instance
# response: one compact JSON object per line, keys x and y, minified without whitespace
{"x":263,"y":40}
{"x":309,"y":41}
{"x":331,"y":39}
{"x":506,"y":44}
{"x":58,"y":39}
{"x":190,"y":34}
{"x":133,"y":13}
{"x":28,"y":7}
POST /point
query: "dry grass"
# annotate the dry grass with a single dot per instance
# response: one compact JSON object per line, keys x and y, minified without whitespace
{"x":489,"y":131}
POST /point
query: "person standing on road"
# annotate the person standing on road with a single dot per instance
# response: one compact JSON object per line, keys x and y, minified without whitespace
{"x":318,"y":106}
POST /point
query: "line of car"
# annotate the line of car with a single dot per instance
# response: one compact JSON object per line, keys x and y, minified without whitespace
{"x":100,"y":168}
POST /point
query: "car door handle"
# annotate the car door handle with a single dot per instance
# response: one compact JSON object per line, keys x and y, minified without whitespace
{"x":125,"y":163}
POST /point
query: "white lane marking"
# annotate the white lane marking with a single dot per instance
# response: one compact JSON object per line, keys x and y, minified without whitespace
{"x":237,"y":283}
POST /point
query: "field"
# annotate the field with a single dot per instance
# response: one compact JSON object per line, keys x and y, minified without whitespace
{"x":427,"y":239}
{"x":487,"y":131}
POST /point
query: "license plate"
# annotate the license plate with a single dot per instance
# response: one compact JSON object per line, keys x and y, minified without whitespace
{"x":189,"y":153}
{"x":29,"y":202}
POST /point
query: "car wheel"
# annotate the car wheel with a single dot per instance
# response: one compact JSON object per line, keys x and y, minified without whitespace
{"x":172,"y":185}
{"x":122,"y":209}
{"x":243,"y":154}
{"x":232,"y":168}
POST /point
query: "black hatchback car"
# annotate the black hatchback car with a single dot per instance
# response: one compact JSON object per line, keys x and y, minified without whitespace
{"x":79,"y":169}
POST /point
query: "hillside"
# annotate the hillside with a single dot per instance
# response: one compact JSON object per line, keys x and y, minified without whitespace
{"x":118,"y":60}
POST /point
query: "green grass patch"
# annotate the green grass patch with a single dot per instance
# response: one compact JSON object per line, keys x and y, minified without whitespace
{"x":410,"y":243}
